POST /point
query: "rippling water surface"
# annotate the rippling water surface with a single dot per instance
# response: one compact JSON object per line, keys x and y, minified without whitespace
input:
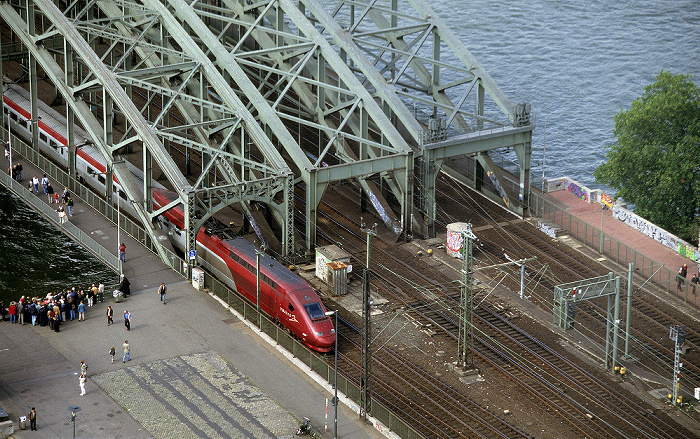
{"x":577,"y":62}
{"x":35,"y":258}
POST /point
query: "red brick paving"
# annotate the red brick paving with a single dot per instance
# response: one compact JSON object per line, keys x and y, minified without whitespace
{"x":590,"y":213}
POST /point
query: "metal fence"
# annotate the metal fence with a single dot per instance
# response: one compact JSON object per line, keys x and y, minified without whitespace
{"x":312,"y":359}
{"x":664,"y":277}
{"x":95,"y":201}
{"x":317,"y":362}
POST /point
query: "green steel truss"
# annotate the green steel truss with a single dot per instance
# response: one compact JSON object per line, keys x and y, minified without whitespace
{"x":260,"y":97}
{"x":417,"y":68}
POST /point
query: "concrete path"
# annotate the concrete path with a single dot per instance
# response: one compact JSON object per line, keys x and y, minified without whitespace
{"x":195,"y":371}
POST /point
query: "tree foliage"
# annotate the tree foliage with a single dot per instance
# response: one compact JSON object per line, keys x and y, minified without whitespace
{"x":655,"y":163}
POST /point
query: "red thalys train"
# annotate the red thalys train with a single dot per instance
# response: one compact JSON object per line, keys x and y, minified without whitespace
{"x":284,"y":296}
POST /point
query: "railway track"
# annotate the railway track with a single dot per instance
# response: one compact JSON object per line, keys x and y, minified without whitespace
{"x":564,"y":264}
{"x":576,"y":412}
{"x":439,"y":410}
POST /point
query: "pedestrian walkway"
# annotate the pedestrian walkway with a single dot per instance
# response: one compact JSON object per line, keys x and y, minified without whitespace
{"x":593,"y":216}
{"x":192,"y":361}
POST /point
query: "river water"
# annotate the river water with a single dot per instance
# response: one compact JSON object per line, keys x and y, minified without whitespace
{"x":35,"y":258}
{"x":577,"y":62}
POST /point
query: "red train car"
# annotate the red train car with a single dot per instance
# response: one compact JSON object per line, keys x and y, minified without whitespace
{"x":284,"y":296}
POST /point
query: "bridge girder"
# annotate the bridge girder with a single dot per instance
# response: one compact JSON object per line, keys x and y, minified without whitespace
{"x":401,"y":51}
{"x":151,"y":135}
{"x":284,"y":91}
{"x":293,"y":77}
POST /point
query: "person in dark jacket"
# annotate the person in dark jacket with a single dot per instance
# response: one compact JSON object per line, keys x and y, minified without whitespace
{"x":125,"y":286}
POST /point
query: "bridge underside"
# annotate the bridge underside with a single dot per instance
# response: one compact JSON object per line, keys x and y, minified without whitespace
{"x":237,"y":105}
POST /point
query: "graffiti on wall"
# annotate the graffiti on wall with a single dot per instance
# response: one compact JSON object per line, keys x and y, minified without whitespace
{"x":606,"y":199}
{"x":657,"y":233}
{"x":579,"y":191}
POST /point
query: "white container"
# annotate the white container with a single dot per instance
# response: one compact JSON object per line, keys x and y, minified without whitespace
{"x":453,"y":242}
{"x":198,"y":278}
{"x":329,"y":254}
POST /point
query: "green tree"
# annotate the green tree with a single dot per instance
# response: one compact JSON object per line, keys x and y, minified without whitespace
{"x":655,"y":163}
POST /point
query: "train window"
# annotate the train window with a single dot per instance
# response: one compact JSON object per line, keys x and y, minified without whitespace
{"x":43,"y":137}
{"x":101,"y":179}
{"x":314,"y":310}
{"x":122,"y":195}
{"x":13,"y":116}
{"x":291,"y":307}
{"x":53,"y":144}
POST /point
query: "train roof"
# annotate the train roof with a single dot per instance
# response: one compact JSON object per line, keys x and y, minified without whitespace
{"x":57,"y":122}
{"x":272,"y":267}
{"x":49,"y":117}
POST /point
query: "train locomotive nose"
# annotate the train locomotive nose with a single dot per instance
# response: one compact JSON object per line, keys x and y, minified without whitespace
{"x":325,"y":343}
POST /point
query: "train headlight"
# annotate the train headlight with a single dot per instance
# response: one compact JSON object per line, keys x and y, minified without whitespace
{"x":333,"y":331}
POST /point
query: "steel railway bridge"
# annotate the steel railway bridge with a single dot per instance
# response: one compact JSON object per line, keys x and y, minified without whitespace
{"x":243,"y":102}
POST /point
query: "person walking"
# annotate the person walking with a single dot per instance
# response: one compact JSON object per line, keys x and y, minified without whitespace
{"x":45,"y":183}
{"x":49,"y":192}
{"x":101,"y":290}
{"x":65,"y":195}
{"x":81,"y":383}
{"x":69,"y":204}
{"x":682,"y":274}
{"x":110,"y":315}
{"x":122,"y":252}
{"x":127,"y":320}
{"x":83,"y":368}
{"x":162,"y":290}
{"x":127,"y":352}
{"x":125,"y":286}
{"x":35,"y":184}
{"x":81,"y":311}
{"x":18,"y":169}
{"x":112,"y":351}
{"x":32,"y":419}
{"x":62,"y":217}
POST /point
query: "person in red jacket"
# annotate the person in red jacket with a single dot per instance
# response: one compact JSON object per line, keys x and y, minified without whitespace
{"x":13,"y":312}
{"x":122,"y":252}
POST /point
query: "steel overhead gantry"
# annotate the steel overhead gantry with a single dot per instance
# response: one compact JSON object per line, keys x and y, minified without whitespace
{"x":329,"y":126}
{"x":214,"y":123}
{"x":406,"y":55}
{"x":100,"y":77}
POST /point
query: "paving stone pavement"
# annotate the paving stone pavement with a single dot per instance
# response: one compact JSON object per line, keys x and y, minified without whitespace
{"x":192,"y":396}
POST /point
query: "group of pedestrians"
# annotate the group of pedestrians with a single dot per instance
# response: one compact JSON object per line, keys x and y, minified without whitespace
{"x":53,"y":309}
{"x":683,"y":275}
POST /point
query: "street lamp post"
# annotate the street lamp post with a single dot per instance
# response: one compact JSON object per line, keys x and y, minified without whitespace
{"x":74,"y":409}
{"x":119,"y":239}
{"x":335,"y":379}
